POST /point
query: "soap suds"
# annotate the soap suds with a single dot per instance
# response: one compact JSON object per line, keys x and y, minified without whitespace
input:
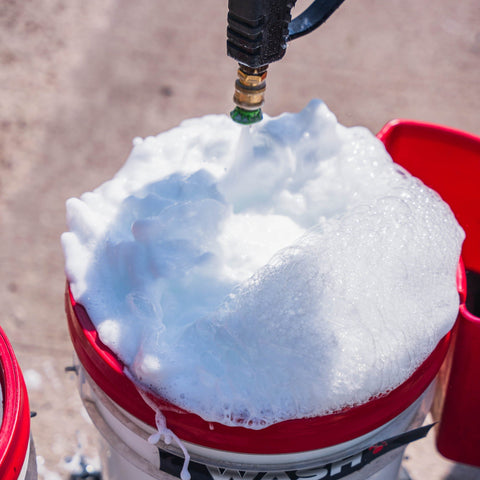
{"x":164,"y":434}
{"x":256,"y":274}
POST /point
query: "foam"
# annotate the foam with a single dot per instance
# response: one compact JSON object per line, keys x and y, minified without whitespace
{"x":254,"y":274}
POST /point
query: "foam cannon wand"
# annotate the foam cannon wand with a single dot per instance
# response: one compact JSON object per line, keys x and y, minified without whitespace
{"x":257,"y":35}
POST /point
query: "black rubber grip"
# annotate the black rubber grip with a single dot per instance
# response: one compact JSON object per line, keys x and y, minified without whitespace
{"x":258,"y":30}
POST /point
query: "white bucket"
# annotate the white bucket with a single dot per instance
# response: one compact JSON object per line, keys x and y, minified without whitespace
{"x":127,"y":454}
{"x":355,"y":443}
{"x":17,"y":453}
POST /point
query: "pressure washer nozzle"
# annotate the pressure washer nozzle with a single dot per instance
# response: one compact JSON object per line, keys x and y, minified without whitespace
{"x":249,"y":94}
{"x":246,"y":117}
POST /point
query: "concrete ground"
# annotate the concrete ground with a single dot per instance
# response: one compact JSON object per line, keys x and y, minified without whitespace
{"x":79,"y":80}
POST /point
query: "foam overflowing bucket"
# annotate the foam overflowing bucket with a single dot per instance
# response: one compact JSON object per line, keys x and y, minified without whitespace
{"x":366,"y":441}
{"x":17,"y":454}
{"x":368,"y":391}
{"x":448,"y":161}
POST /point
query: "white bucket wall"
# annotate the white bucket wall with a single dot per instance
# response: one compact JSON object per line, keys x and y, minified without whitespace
{"x":126,"y":452}
{"x":29,"y":469}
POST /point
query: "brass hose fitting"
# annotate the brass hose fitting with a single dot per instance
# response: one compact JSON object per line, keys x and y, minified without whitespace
{"x":249,"y":94}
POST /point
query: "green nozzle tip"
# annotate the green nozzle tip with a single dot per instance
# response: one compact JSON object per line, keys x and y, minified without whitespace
{"x":246,"y":117}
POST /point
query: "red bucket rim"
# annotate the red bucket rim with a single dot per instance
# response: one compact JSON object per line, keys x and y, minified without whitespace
{"x":290,"y":436}
{"x":392,"y":128}
{"x":15,"y":427}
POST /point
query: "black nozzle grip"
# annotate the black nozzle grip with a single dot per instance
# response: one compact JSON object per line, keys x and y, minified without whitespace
{"x":258,"y":30}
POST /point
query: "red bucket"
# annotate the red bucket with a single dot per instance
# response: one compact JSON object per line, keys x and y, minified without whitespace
{"x":17,"y":459}
{"x":448,"y":161}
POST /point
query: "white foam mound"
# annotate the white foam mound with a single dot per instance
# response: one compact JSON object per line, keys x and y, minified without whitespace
{"x":255,"y":274}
